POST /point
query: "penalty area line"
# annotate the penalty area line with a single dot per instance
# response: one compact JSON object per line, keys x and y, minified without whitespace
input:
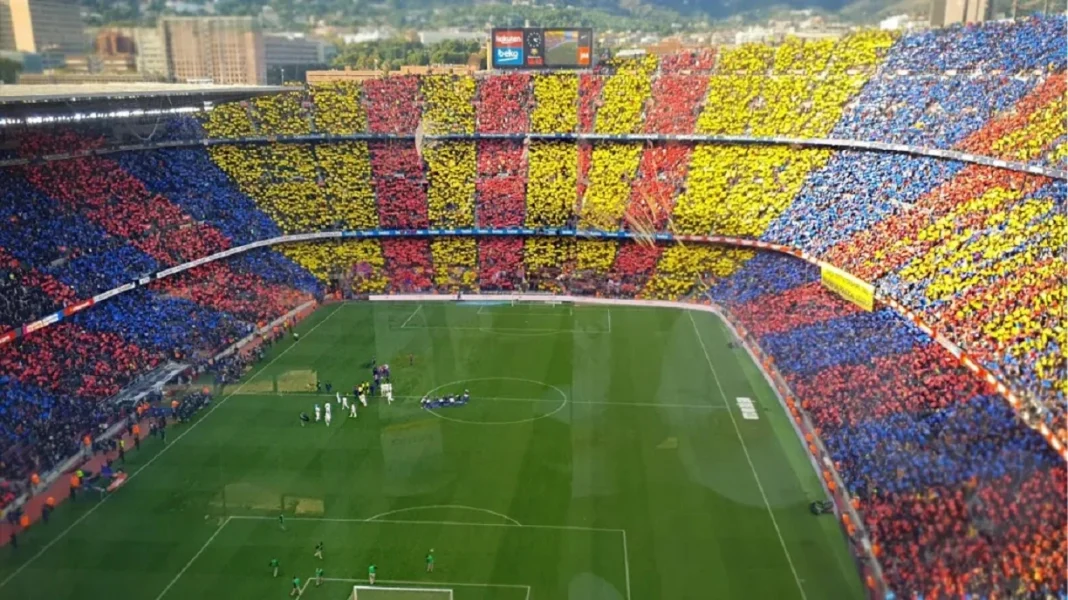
{"x":161,"y":452}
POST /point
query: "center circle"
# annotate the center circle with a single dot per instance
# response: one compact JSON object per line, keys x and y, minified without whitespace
{"x":459,"y":383}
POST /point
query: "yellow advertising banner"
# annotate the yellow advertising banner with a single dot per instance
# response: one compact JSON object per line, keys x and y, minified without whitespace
{"x":849,"y":287}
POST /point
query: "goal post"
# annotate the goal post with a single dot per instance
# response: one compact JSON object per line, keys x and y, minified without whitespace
{"x":381,"y":592}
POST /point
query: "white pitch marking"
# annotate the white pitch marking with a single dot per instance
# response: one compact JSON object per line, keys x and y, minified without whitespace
{"x":414,"y":312}
{"x":450,"y":506}
{"x":192,"y":560}
{"x":748,"y":458}
{"x":162,"y":450}
{"x":445,"y":523}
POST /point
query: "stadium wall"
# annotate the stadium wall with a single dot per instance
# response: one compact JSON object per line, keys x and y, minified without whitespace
{"x":991,"y":379}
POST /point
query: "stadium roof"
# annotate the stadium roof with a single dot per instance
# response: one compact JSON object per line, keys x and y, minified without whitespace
{"x":20,"y":101}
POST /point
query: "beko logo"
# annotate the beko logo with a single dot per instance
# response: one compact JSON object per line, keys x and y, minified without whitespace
{"x":508,"y":57}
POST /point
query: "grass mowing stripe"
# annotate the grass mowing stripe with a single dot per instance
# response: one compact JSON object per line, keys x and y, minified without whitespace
{"x":162,"y":450}
{"x":193,"y":560}
{"x":748,"y":458}
{"x":510,"y":399}
{"x":414,"y":312}
{"x":376,"y":519}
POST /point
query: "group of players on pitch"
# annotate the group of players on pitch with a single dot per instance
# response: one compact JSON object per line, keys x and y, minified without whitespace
{"x":275,"y":565}
{"x":380,"y":385}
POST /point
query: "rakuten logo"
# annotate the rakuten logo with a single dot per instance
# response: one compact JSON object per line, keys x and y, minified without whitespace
{"x":508,"y":56}
{"x":512,"y":39}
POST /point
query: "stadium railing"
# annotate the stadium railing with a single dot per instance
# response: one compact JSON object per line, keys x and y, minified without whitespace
{"x":1003,"y":388}
{"x":841,"y":144}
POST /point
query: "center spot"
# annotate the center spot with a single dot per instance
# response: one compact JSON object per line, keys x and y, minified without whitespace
{"x":500,"y":400}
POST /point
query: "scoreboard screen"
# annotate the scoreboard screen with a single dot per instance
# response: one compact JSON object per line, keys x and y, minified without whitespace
{"x":537,"y":48}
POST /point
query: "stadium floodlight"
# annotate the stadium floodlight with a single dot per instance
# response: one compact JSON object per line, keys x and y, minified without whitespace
{"x":91,"y":116}
{"x":380,"y":592}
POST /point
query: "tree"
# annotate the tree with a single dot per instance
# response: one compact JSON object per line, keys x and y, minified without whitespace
{"x":9,"y":70}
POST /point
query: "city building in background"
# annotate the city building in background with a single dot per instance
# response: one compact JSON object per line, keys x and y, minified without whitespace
{"x":289,"y":56}
{"x":951,"y":12}
{"x":221,"y":50}
{"x":52,"y":29}
{"x":151,"y":53}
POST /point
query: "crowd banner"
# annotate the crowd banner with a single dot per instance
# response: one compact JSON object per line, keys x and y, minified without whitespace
{"x":848,"y":286}
{"x":856,"y":286}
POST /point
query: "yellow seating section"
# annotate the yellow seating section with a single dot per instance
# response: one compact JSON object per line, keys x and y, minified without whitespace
{"x":547,"y":255}
{"x":596,"y":255}
{"x":449,"y":104}
{"x":455,"y":263}
{"x":346,"y":167}
{"x":229,"y":120}
{"x":451,"y":172}
{"x":1001,"y":273}
{"x":555,"y":103}
{"x":691,"y":268}
{"x":281,"y":114}
{"x":552,"y":180}
{"x":342,"y":259}
{"x":752,"y":58}
{"x":1044,"y":127}
{"x":451,"y":166}
{"x":738,"y":190}
{"x":338,"y":108}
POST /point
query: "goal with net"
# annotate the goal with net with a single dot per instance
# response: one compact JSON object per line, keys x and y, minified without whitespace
{"x":377,"y":592}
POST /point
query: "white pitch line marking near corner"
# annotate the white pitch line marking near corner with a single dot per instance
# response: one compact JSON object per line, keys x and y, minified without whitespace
{"x":434,"y":584}
{"x":626,"y":561}
{"x":748,"y":458}
{"x":192,"y":560}
{"x":414,"y":312}
{"x":162,"y":450}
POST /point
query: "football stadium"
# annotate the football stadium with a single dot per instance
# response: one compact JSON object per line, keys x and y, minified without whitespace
{"x":768,"y":321}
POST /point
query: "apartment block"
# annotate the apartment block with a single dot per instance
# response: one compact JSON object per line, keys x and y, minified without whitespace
{"x":46,"y":27}
{"x":220,"y":50}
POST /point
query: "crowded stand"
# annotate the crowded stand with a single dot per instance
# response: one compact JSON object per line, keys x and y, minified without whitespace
{"x":943,"y":471}
{"x":939,"y":469}
{"x":337,"y":107}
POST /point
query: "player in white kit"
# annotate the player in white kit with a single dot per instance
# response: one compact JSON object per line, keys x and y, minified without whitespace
{"x":363,"y":398}
{"x":338,"y":397}
{"x":327,"y":417}
{"x":344,"y":402}
{"x":352,"y":410}
{"x":318,"y":410}
{"x":387,"y":391}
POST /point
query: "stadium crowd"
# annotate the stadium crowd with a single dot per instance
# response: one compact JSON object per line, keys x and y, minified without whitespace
{"x":939,"y":468}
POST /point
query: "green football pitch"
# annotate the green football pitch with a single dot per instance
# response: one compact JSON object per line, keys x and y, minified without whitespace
{"x":603,"y":455}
